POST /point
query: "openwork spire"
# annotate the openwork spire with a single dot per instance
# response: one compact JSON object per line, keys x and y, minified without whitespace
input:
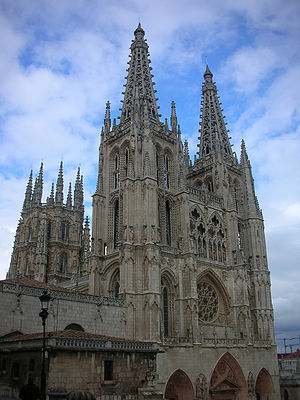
{"x":173,"y":117}
{"x":59,"y":195}
{"x":69,"y":197}
{"x":78,"y":191}
{"x":107,"y":120}
{"x":28,"y":193}
{"x":139,"y":95}
{"x":38,"y":188}
{"x":213,"y":132}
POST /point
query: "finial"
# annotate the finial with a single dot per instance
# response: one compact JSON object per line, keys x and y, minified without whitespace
{"x":69,"y":197}
{"x":28,"y":193}
{"x":59,"y":195}
{"x":107,"y":120}
{"x":173,"y":116}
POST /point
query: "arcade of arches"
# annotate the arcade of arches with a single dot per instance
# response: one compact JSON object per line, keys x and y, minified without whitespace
{"x":227,"y":382}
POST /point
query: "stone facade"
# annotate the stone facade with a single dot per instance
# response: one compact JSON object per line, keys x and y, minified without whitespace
{"x":181,"y":243}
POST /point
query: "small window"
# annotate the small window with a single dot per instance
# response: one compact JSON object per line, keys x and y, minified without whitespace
{"x":108,"y":370}
{"x":31,"y":364}
{"x":65,"y":231}
{"x":63,"y":262}
{"x":4,"y":365}
{"x":15,"y":371}
{"x":105,"y":249}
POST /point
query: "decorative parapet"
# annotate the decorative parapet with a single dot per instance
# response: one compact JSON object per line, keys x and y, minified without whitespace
{"x":213,"y":341}
{"x":60,"y":294}
{"x":197,"y":193}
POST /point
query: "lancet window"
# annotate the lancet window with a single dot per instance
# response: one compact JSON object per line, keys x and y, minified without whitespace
{"x":167,"y":293}
{"x":166,"y":172}
{"x":63,"y":264}
{"x":114,"y":287}
{"x":117,"y":171}
{"x":116,"y":224}
{"x":65,"y":227}
{"x":208,"y":239}
{"x":198,"y":232}
{"x":168,"y":223}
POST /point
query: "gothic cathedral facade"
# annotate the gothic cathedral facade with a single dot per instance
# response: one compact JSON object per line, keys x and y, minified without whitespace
{"x":181,"y":242}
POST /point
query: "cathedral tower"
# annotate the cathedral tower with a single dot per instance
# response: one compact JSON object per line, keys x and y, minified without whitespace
{"x":50,"y":243}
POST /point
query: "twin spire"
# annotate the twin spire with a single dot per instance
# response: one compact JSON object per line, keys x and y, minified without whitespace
{"x":34,"y":197}
{"x":213,"y":133}
{"x":139,"y":100}
{"x":139,"y":95}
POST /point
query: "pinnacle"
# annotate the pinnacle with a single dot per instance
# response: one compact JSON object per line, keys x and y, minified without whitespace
{"x":207,"y":71}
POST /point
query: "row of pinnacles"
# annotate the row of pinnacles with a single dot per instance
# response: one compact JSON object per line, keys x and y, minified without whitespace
{"x":51,"y":243}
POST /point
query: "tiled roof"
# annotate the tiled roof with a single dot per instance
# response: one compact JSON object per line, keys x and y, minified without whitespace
{"x":37,"y":284}
{"x":66,"y":334}
{"x":292,"y":355}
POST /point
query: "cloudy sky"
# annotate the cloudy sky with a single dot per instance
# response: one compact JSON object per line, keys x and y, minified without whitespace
{"x":60,"y":61}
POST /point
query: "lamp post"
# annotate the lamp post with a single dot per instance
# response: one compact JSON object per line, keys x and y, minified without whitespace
{"x":44,"y":299}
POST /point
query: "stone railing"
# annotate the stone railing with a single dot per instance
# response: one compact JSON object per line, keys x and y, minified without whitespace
{"x":208,"y":198}
{"x":60,"y":294}
{"x":100,"y":344}
{"x":214,"y":341}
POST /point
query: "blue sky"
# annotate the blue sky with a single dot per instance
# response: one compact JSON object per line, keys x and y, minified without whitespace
{"x":60,"y":61}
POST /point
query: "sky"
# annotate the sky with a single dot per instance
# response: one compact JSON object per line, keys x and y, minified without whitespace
{"x":60,"y":61}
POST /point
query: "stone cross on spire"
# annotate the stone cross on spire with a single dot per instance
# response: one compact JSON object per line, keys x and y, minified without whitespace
{"x":139,"y":95}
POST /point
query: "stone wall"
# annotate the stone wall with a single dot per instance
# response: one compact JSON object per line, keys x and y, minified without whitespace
{"x":20,"y":307}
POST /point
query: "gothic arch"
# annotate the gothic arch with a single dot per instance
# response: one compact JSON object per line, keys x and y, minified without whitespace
{"x":217,"y":310}
{"x":179,"y":387}
{"x":264,"y":388}
{"x":227,"y":380}
{"x":114,"y":168}
{"x":168,"y":303}
{"x":114,"y":283}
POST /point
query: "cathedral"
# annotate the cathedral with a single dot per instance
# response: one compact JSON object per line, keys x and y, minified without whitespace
{"x":167,"y":295}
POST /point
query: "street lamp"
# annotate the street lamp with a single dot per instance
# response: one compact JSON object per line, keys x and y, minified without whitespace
{"x":44,"y":299}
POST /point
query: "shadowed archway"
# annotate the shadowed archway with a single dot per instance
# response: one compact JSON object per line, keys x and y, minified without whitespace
{"x":179,"y":387}
{"x":227,"y":380}
{"x":264,"y":388}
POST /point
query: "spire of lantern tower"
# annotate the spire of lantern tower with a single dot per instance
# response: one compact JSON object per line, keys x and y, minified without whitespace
{"x":78,"y":191}
{"x":28,"y":194}
{"x":107,"y":120}
{"x":59,"y":195}
{"x":69,"y":197}
{"x":213,"y":133}
{"x":139,"y":92}
{"x":50,"y":199}
{"x":38,"y":188}
{"x":173,"y":117}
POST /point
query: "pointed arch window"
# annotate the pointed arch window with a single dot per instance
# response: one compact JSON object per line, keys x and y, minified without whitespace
{"x":48,"y":230}
{"x":117,"y":171}
{"x":116,"y":224}
{"x":63,"y":264}
{"x":65,"y":228}
{"x":168,"y":223}
{"x":114,"y":285}
{"x":166,"y":172}
{"x":126,"y":161}
{"x":165,"y":312}
{"x":168,"y":306}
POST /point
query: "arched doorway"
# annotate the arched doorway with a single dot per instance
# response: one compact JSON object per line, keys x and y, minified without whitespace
{"x":227,"y":380}
{"x":179,"y":387}
{"x":264,"y":388}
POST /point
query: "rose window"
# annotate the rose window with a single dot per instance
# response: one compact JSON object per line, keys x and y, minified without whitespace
{"x":207,"y":302}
